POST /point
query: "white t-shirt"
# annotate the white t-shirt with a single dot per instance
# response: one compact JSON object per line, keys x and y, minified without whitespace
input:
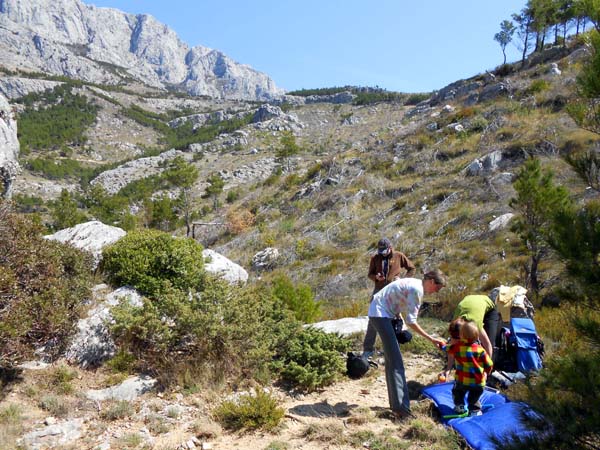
{"x":402,"y":296}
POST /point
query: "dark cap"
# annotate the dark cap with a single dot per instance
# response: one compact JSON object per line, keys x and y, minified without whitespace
{"x":383,"y":244}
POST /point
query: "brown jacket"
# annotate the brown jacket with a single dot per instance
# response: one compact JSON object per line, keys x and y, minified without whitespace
{"x":398,"y":264}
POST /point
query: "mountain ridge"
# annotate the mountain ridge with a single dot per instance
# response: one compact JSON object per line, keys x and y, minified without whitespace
{"x":81,"y":41}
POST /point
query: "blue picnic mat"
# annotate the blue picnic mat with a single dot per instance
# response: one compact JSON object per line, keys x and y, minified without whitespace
{"x":501,"y":418}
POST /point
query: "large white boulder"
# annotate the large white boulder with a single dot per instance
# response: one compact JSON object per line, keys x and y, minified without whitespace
{"x":223,"y":267}
{"x":91,"y":236}
{"x":345,"y":326}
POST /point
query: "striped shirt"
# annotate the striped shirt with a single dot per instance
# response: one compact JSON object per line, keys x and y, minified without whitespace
{"x":470,"y":361}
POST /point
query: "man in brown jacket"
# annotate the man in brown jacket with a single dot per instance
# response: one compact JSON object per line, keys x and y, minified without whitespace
{"x":386,"y":266}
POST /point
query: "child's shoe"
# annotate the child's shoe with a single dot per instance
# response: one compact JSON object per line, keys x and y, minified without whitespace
{"x":460,"y":409}
{"x":476,"y":412}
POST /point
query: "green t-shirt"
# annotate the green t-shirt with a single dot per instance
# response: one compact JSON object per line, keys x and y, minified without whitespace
{"x":474,"y":307}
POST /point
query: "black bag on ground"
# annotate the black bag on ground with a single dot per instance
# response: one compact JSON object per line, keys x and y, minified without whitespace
{"x":402,"y":336}
{"x":356,"y":365}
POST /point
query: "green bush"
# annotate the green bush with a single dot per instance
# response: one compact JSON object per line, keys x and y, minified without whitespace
{"x":537,"y":86}
{"x":312,"y":359}
{"x":42,"y":287}
{"x":250,"y":412}
{"x":299,"y":298}
{"x":153,"y":261}
{"x":223,"y":331}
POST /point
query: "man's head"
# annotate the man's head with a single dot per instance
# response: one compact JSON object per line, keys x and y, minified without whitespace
{"x":433,"y":281}
{"x":384,"y":247}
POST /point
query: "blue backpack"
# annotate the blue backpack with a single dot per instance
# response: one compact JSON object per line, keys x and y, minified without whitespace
{"x":529,"y":348}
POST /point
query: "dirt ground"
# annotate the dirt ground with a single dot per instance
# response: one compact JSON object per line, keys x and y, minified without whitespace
{"x":347,"y":407}
{"x":349,"y":414}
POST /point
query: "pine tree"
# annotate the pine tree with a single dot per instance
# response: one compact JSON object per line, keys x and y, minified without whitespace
{"x":216,"y":184}
{"x":288,"y":147}
{"x":183,"y":175}
{"x":538,"y":198}
{"x":504,"y":36}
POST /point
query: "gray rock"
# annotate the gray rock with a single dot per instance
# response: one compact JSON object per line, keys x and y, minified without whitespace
{"x":105,"y":45}
{"x":93,"y":344}
{"x":474,"y":168}
{"x":554,"y":70}
{"x":33,"y":365}
{"x":223,"y":267}
{"x":91,"y":236}
{"x":455,"y":90}
{"x":493,"y":91}
{"x":129,"y":389}
{"x":418,"y":110}
{"x":9,"y":148}
{"x":500,"y":222}
{"x":51,"y":436}
{"x":491,"y":160}
{"x":265,"y":259}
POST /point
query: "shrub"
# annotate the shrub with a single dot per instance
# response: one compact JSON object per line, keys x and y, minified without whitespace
{"x":250,"y":412}
{"x":312,"y":359}
{"x":504,"y":70}
{"x":239,"y":220}
{"x":413,"y":99}
{"x":56,"y":406}
{"x":537,"y":86}
{"x":42,"y":287}
{"x":117,"y":410}
{"x":299,"y":299}
{"x":220,"y":332}
{"x":153,"y":261}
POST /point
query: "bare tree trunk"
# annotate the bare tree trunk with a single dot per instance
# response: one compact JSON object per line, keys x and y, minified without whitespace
{"x":524,"y":50}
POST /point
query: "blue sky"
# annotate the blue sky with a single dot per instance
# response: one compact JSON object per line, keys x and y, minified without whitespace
{"x":399,"y":45}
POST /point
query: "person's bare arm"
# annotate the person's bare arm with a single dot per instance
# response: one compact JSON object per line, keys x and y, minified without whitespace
{"x":485,"y":342}
{"x":449,"y":366}
{"x":435,"y":341}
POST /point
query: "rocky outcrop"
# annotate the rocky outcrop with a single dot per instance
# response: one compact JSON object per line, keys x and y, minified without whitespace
{"x":128,"y":390}
{"x":9,"y":148}
{"x":198,"y":120}
{"x":89,"y":236}
{"x":16,"y":87}
{"x":116,"y":179}
{"x":265,"y":259}
{"x":105,"y":45}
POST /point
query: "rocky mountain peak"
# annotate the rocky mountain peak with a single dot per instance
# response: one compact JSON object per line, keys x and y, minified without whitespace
{"x":105,"y":45}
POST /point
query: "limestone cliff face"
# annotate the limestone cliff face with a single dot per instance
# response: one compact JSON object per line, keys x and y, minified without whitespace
{"x":9,"y":147}
{"x":105,"y":45}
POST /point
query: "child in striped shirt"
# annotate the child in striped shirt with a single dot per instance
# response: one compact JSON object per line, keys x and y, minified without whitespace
{"x":472,"y":365}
